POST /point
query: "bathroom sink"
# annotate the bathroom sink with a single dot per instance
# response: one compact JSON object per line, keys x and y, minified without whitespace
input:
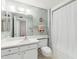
{"x":7,"y":43}
{"x":17,"y":42}
{"x":28,"y":41}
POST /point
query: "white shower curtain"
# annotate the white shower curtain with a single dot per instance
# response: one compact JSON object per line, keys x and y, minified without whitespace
{"x":63,"y":30}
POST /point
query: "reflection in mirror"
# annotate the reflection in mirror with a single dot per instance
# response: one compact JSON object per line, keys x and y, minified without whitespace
{"x":22,"y":28}
{"x":23,"y":25}
{"x":6,"y":24}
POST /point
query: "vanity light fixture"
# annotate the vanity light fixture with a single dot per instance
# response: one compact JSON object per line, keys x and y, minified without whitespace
{"x":20,"y":9}
{"x":3,"y":8}
{"x":12,"y":8}
{"x":28,"y":11}
{"x":3,"y":4}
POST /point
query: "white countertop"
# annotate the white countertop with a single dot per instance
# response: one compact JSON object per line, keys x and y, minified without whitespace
{"x":18,"y":41}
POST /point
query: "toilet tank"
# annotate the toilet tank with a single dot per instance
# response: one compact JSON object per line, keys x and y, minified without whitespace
{"x":43,"y":42}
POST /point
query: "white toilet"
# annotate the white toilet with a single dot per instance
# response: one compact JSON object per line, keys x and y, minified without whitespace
{"x":45,"y":50}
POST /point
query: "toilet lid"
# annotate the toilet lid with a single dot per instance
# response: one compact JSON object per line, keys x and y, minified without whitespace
{"x":46,"y":50}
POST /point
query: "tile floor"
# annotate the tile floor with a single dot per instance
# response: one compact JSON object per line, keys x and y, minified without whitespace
{"x":56,"y":55}
{"x":42,"y":57}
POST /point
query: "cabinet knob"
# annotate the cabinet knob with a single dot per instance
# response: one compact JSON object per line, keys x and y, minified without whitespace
{"x":18,"y":53}
{"x":24,"y":52}
{"x":18,"y":48}
{"x":9,"y":50}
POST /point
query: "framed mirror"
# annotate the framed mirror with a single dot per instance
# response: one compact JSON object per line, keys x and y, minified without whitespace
{"x":23,"y":25}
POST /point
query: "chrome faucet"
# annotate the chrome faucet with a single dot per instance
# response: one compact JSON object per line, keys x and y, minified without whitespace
{"x":25,"y":38}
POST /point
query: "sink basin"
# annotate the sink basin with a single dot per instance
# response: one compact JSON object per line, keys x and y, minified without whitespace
{"x":29,"y":41}
{"x":17,"y":42}
{"x":10,"y":43}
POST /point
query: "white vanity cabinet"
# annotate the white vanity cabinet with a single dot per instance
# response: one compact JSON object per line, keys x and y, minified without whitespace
{"x":30,"y":54}
{"x":3,"y":57}
{"x":12,"y":56}
{"x":22,"y":52}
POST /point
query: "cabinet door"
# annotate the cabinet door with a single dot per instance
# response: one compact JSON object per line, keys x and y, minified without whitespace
{"x":30,"y":54}
{"x":14,"y":56}
{"x":4,"y":57}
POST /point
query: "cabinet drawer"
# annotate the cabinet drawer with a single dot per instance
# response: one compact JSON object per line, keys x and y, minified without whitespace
{"x":23,"y":48}
{"x":8,"y":51}
{"x":31,"y":54}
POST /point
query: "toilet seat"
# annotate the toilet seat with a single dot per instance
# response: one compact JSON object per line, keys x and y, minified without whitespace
{"x":46,"y":51}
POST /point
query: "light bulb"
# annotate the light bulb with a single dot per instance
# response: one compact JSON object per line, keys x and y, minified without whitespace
{"x":21,"y":9}
{"x":28,"y":11}
{"x":3,"y":8}
{"x":12,"y":8}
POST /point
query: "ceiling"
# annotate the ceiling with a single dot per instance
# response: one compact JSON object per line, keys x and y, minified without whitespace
{"x":46,"y":4}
